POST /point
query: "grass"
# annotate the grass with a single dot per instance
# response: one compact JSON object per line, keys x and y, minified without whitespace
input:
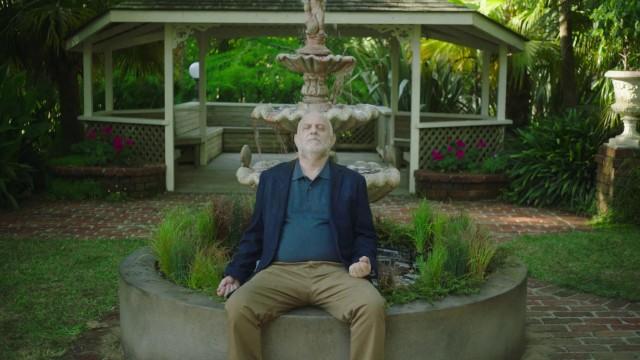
{"x":50,"y":289}
{"x":603,"y":262}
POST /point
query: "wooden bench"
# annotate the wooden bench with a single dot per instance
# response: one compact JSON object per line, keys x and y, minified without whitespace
{"x":188,"y":139}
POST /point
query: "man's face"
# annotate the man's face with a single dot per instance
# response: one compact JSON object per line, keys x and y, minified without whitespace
{"x":315,"y":135}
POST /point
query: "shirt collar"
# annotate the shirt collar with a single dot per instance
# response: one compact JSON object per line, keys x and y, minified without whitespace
{"x":325,"y":173}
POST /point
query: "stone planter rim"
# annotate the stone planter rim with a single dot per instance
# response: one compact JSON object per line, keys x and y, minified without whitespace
{"x":424,"y":174}
{"x":146,"y":278}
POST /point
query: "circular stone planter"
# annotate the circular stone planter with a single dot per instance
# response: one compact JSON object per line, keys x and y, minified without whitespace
{"x":135,"y":181}
{"x":160,"y":320}
{"x":459,"y":186}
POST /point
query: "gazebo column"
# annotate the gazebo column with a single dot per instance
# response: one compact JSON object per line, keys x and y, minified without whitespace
{"x":395,"y":78}
{"x":416,"y":65}
{"x":108,"y":80}
{"x":87,"y":77}
{"x":502,"y":83}
{"x":484,"y":101}
{"x":168,"y":106}
{"x":203,"y":46}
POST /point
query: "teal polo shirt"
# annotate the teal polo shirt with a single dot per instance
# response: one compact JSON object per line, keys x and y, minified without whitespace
{"x":306,"y":233}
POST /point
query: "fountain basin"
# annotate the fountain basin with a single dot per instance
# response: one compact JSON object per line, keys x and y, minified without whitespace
{"x":313,"y":64}
{"x":380,"y":180}
{"x":342,"y":117}
{"x":160,"y":320}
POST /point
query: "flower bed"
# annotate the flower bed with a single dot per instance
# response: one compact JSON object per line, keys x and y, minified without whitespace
{"x":459,"y":186}
{"x":134,"y":181}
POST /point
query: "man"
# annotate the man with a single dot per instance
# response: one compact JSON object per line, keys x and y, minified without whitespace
{"x":313,"y":235}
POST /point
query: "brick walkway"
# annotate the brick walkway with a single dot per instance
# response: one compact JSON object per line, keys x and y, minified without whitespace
{"x":562,"y":324}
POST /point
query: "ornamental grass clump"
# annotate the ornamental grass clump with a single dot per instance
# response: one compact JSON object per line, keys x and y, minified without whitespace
{"x":193,"y":244}
{"x":453,"y":253}
{"x":187,"y":250}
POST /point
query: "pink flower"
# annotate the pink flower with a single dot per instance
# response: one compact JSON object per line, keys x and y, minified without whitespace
{"x":107,"y":130}
{"x":482,"y":144}
{"x":91,"y":134}
{"x":130,"y":142}
{"x":460,"y":143}
{"x":117,"y":144}
{"x":460,"y":154}
{"x":436,"y":155}
{"x":449,"y":148}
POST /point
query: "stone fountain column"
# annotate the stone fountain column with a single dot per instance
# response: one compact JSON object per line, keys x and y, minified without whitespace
{"x":316,"y":63}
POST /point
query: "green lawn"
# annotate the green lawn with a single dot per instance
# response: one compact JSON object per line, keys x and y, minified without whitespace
{"x":50,"y":289}
{"x":604,"y":262}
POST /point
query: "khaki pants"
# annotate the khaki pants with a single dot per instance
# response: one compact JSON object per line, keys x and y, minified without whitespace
{"x":284,"y":286}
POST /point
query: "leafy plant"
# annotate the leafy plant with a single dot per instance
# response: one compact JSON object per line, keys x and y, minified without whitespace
{"x":75,"y":189}
{"x":458,"y":156}
{"x":616,"y":26}
{"x":553,"y":164}
{"x":102,"y":147}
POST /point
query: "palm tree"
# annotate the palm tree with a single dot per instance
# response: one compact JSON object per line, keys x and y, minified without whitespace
{"x":32,"y":37}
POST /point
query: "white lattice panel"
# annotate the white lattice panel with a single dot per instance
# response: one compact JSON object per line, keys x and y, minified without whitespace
{"x":364,"y":135}
{"x":149,"y":139}
{"x":435,"y":138}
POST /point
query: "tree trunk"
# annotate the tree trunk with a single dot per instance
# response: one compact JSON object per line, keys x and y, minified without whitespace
{"x":65,"y":77}
{"x":568,"y":70}
{"x":519,"y":104}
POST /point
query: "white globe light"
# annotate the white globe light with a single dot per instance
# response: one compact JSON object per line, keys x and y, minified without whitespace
{"x":194,"y":70}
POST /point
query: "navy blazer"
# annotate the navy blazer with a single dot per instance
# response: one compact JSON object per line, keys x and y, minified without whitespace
{"x":351,"y":221}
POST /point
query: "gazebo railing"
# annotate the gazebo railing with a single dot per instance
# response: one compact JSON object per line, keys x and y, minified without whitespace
{"x":437,"y":130}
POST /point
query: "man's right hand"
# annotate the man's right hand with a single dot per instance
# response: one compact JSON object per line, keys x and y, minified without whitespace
{"x":227,"y":286}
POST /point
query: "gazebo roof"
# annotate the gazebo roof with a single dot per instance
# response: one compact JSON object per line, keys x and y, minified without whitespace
{"x":292,"y":5}
{"x":134,"y":22}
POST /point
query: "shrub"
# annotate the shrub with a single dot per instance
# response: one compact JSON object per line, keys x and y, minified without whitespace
{"x":553,"y":162}
{"x":75,"y":189}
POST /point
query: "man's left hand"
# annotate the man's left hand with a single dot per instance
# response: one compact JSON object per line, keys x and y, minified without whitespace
{"x":360,"y":269}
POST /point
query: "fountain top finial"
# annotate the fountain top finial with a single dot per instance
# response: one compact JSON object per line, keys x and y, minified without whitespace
{"x":315,"y":43}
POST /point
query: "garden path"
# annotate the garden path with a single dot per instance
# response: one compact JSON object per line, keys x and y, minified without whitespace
{"x":562,"y":324}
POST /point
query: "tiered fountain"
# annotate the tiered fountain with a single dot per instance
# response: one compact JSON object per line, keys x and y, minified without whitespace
{"x":316,"y":63}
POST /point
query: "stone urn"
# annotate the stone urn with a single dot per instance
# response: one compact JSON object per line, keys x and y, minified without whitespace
{"x":626,"y":85}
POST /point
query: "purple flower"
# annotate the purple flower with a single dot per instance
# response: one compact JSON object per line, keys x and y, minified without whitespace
{"x":459,"y":154}
{"x":107,"y":130}
{"x":482,"y":144}
{"x":449,"y":148}
{"x":436,"y":155}
{"x":130,"y":142}
{"x":460,"y":143}
{"x":91,"y":134}
{"x":117,"y":144}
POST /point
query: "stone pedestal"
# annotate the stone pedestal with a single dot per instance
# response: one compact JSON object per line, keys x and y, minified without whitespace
{"x":613,"y":163}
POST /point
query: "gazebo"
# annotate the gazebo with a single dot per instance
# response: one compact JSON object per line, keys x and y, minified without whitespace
{"x":137,"y":22}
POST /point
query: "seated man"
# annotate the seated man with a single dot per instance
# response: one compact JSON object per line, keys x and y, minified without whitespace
{"x":311,"y":223}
